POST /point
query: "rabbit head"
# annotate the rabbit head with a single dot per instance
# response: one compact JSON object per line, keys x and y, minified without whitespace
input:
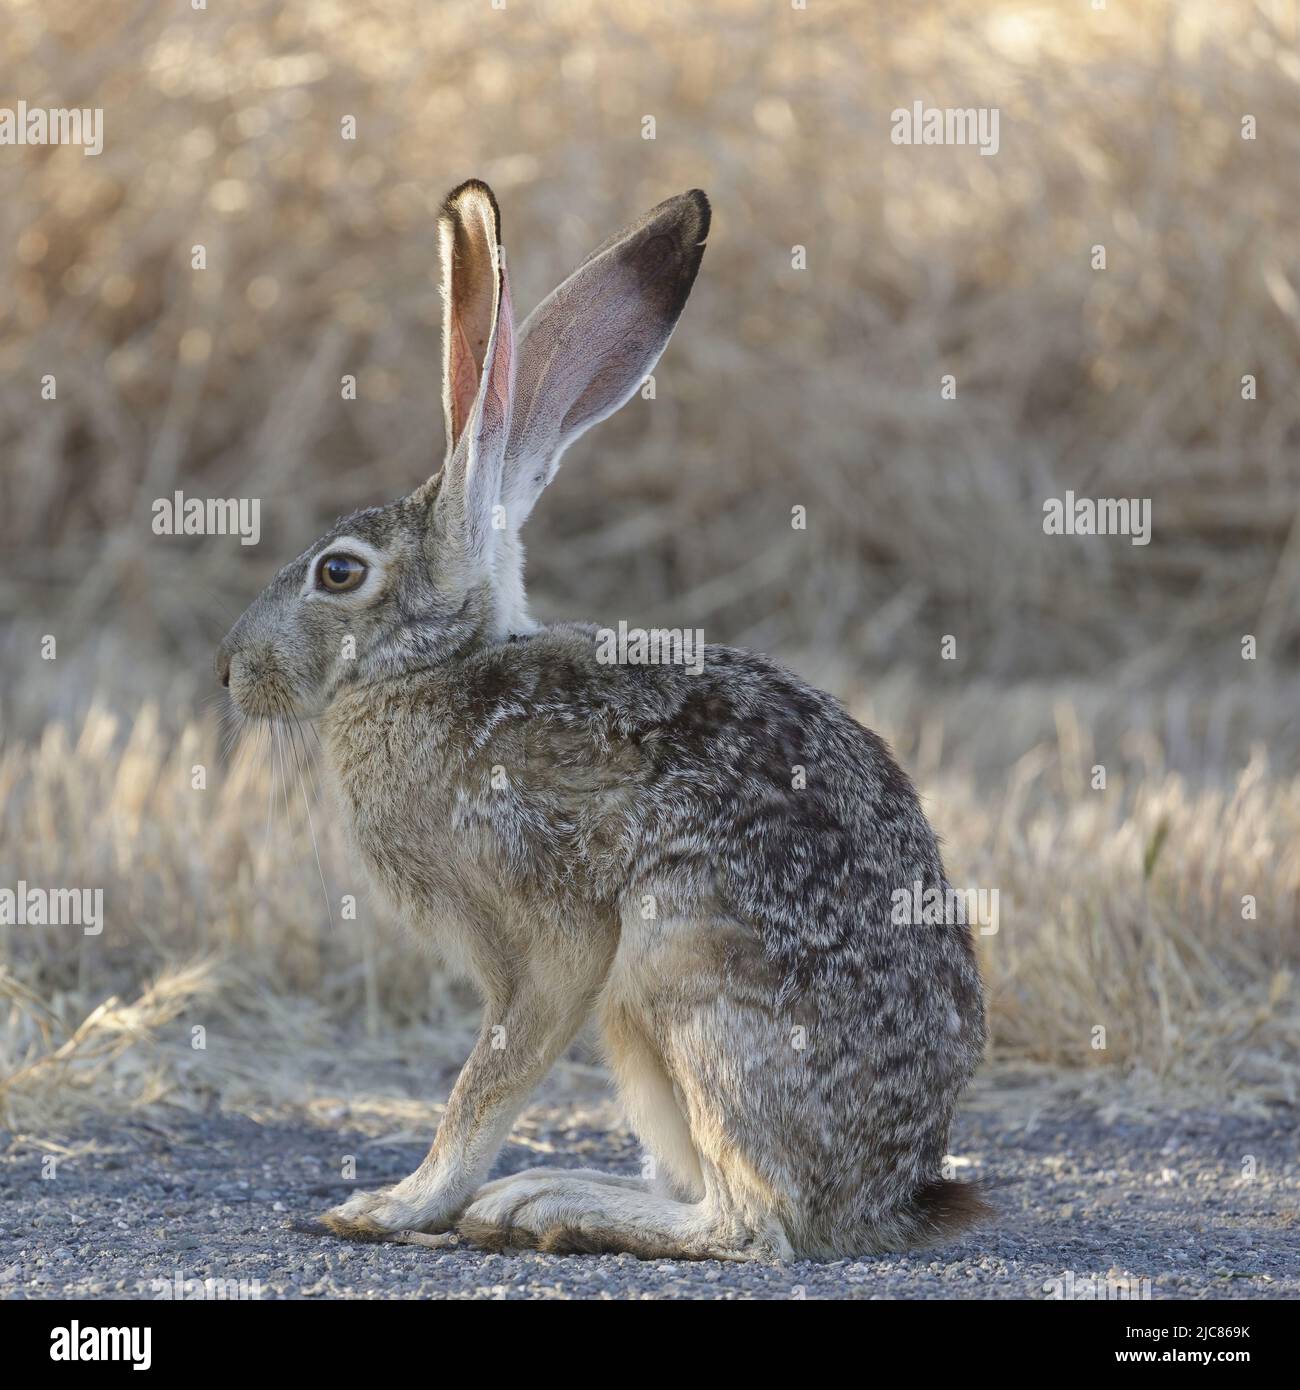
{"x":404,"y":586}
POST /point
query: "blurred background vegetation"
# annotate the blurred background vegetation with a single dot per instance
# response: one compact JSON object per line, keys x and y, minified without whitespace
{"x":1120,"y":127}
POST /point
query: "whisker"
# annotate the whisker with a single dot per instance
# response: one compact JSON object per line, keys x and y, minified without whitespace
{"x":308,"y":757}
{"x":266,"y":838}
{"x":231,"y":726}
{"x":312,"y":828}
{"x":301,"y":754}
{"x":284,"y":777}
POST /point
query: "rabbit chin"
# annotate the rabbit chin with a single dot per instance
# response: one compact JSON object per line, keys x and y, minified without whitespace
{"x":265,"y":691}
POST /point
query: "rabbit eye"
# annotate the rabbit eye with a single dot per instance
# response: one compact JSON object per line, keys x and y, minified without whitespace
{"x":339,"y":573}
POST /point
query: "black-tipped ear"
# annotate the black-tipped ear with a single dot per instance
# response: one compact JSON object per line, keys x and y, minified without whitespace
{"x":469,"y":235}
{"x":588,"y":346}
{"x":666,"y":247}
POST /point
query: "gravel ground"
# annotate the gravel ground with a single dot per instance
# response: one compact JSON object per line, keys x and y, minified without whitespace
{"x":209,"y":1197}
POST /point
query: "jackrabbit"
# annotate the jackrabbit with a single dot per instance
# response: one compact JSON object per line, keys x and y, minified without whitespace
{"x":706,"y":861}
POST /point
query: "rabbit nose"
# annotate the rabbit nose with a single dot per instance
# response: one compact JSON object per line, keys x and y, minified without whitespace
{"x":223,"y":669}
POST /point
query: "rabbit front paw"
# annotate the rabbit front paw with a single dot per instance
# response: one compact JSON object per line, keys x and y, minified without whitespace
{"x":379,"y":1215}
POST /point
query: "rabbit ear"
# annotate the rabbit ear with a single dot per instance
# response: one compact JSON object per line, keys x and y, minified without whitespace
{"x":587,"y":347}
{"x":469,"y":239}
{"x":478,"y":367}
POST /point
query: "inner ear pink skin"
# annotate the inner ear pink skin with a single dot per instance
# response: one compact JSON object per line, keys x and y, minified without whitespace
{"x":471,"y":269}
{"x":464,"y":374}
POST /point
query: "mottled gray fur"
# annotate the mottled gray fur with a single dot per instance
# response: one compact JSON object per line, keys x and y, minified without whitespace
{"x":704,"y":863}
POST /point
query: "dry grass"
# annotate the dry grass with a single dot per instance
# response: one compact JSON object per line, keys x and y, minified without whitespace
{"x":817,"y":388}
